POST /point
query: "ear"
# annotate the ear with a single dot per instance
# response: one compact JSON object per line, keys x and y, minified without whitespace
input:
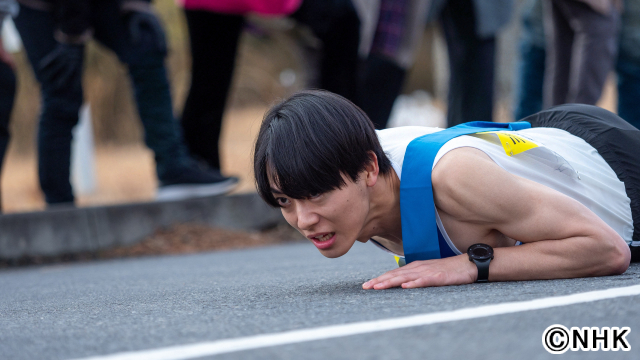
{"x":372,"y":169}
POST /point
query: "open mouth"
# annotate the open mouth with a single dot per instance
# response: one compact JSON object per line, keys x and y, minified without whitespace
{"x":324,"y":241}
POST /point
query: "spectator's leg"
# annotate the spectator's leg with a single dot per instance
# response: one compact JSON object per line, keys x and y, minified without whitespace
{"x":214,"y":42}
{"x":559,"y":36}
{"x":59,"y":108}
{"x":380,"y":83}
{"x":593,"y":52}
{"x":7,"y":95}
{"x":628,"y":64}
{"x":531,"y":74}
{"x":337,"y":24}
{"x":628,"y":71}
{"x":151,"y":87}
{"x":531,"y":62}
{"x":471,"y":64}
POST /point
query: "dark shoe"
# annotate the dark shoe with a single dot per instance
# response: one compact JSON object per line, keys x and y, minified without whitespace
{"x":192,"y":181}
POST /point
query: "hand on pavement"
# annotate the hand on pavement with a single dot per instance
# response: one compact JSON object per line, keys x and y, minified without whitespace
{"x":456,"y":270}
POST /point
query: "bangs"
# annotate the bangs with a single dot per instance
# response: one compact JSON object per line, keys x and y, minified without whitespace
{"x":297,"y":165}
{"x":310,"y":143}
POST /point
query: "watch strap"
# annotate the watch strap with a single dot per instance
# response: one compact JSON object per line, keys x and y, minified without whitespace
{"x":483,"y":270}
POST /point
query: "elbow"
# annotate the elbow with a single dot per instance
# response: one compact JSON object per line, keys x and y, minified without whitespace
{"x":619,"y":257}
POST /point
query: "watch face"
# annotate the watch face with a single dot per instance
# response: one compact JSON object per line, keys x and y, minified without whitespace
{"x":480,"y":252}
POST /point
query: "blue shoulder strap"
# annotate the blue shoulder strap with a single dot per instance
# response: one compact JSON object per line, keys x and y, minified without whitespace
{"x":420,"y":235}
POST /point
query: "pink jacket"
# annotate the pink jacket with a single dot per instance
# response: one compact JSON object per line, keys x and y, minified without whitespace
{"x":264,"y":7}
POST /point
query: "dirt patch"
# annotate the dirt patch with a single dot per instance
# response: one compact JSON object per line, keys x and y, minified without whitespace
{"x":178,"y":239}
{"x":193,"y":238}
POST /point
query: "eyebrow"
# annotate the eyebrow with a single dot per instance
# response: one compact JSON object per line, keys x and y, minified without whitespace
{"x":276,"y":191}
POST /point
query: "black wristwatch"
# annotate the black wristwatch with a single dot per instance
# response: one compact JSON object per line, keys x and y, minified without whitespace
{"x":481,"y":255}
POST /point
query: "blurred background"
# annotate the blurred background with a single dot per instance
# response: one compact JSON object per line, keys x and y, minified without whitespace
{"x":275,"y":58}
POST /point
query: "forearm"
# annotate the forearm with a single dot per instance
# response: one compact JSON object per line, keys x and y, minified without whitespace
{"x":559,"y":259}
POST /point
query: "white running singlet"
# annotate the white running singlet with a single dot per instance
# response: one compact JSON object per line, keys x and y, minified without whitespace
{"x":561,"y":161}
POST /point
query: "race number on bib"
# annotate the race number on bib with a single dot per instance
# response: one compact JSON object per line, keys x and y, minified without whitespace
{"x":511,"y":143}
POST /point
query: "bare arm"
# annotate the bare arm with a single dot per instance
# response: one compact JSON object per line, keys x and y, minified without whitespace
{"x":562,"y":238}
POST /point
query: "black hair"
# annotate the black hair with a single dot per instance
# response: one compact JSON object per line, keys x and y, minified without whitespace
{"x":308,"y":141}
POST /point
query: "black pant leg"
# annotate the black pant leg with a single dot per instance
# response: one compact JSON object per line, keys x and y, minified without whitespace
{"x":471,"y":63}
{"x":379,"y":84}
{"x":7,"y":96}
{"x":147,"y":71}
{"x":337,"y":25}
{"x":60,"y":107}
{"x":214,"y":43}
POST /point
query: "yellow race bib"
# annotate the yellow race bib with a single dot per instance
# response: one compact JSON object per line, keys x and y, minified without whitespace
{"x":511,"y":143}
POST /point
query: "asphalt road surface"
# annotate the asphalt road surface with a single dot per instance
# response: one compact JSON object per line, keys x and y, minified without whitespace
{"x":80,"y":310}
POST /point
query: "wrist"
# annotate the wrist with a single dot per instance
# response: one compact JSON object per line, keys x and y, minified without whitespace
{"x":481,"y":255}
{"x":470,"y":267}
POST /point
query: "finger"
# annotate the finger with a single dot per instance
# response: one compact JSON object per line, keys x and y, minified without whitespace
{"x":395,"y":281}
{"x":388,"y":275}
{"x":372,"y":284}
{"x":413,"y":267}
{"x":432,"y":279}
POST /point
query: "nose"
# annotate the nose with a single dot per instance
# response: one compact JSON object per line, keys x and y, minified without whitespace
{"x":306,"y":216}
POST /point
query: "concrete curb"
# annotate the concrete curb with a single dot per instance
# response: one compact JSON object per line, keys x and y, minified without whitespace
{"x":67,"y":231}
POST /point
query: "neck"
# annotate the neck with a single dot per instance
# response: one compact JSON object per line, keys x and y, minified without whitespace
{"x":384,"y":211}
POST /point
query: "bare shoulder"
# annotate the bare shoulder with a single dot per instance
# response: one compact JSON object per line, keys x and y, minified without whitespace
{"x":467,"y":183}
{"x":460,"y":165}
{"x":460,"y":161}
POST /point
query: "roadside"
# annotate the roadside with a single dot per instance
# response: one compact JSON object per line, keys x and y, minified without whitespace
{"x":187,"y":238}
{"x":125,"y":173}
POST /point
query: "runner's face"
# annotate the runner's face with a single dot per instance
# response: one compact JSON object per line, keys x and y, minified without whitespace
{"x":332,"y":221}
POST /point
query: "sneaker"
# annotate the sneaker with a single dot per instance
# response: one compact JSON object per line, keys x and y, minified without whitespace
{"x":192,"y":181}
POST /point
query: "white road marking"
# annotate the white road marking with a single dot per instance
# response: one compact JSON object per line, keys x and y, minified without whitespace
{"x":327,"y":332}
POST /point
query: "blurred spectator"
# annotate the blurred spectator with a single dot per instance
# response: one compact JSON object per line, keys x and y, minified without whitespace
{"x":530,"y":73}
{"x":391,"y":32}
{"x":470,"y":28}
{"x":581,"y":47}
{"x":7,"y":82}
{"x":54,"y":33}
{"x":628,"y":64}
{"x":214,"y":30}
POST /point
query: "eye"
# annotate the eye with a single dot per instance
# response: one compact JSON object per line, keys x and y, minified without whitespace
{"x":314,"y":196}
{"x":282,"y":201}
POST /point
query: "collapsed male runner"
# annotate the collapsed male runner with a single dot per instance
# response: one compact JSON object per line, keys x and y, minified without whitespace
{"x":555,"y":196}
